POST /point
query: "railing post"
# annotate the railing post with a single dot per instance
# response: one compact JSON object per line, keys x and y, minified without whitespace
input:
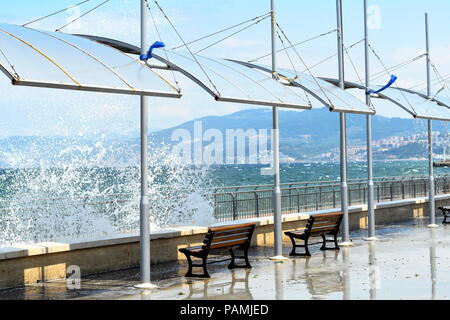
{"x":403,"y":191}
{"x":306,"y":199}
{"x":364,"y":195}
{"x":316,"y":195}
{"x":290,"y":198}
{"x":391,"y":190}
{"x":257,"y":204}
{"x":334,"y":198}
{"x":233,"y":196}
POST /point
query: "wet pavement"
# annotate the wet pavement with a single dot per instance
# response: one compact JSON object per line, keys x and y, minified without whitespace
{"x":409,"y":261}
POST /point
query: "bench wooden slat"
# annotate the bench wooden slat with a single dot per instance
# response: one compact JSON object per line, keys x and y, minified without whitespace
{"x":230,"y":233}
{"x":232,"y":227}
{"x":326,"y":223}
{"x":323,"y":215}
{"x":226,"y":244}
{"x":230,"y":237}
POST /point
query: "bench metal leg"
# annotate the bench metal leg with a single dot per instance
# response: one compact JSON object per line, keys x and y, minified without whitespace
{"x":233,"y":265}
{"x":445,"y":218}
{"x":335,"y":241}
{"x":190,"y":274}
{"x":295,"y":246}
{"x":247,"y":262}
{"x":205,"y":271}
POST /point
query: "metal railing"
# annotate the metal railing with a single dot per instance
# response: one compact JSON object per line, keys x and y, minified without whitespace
{"x":243,"y":202}
{"x":235,"y":203}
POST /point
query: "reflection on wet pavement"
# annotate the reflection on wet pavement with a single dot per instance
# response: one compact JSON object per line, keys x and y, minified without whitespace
{"x":409,"y":261}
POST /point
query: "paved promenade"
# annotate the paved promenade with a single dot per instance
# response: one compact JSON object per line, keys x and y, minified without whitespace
{"x":409,"y":261}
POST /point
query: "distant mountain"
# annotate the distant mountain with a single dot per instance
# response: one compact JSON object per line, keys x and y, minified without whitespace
{"x":306,"y":134}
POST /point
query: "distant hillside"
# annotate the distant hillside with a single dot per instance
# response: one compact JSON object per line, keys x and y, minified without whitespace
{"x":305,"y":134}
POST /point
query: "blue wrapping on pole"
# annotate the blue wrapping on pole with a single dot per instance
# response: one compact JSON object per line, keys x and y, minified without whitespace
{"x":149,"y":55}
{"x":390,"y":83}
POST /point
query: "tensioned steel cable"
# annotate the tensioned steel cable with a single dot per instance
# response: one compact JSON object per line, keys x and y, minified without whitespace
{"x":332,"y":56}
{"x":233,"y":34}
{"x":433,"y":82}
{"x":10,"y":64}
{"x":441,"y":80}
{"x":353,"y":65}
{"x":55,"y":13}
{"x":83,"y":15}
{"x":223,"y":30}
{"x":305,"y":65}
{"x":187,"y":47}
{"x":390,"y":74}
{"x":292,"y":64}
{"x":297,"y":44}
{"x":165,"y":51}
{"x":379,"y":74}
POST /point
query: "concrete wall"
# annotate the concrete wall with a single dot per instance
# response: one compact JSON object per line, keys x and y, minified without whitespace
{"x":49,"y":261}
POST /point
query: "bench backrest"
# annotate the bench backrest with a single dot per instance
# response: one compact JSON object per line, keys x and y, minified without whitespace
{"x":324,"y":223}
{"x":229,"y":236}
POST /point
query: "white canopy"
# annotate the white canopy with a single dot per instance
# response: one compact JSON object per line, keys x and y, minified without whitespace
{"x":335,"y":98}
{"x":36,"y":58}
{"x":229,"y":81}
{"x":415,"y":103}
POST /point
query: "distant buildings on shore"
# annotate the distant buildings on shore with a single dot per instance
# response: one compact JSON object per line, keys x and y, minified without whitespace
{"x":358,"y":152}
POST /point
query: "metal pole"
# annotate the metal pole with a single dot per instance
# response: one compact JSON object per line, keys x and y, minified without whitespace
{"x":370,"y":186}
{"x":373,"y":272}
{"x":343,"y":130}
{"x":276,"y":197}
{"x":144,"y":203}
{"x":431,"y":191}
{"x":433,"y":272}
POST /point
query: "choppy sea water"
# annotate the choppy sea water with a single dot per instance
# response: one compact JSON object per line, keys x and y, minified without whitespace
{"x":76,"y":202}
{"x":240,"y":175}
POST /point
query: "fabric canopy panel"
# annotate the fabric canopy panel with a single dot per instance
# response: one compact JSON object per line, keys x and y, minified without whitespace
{"x":416,"y":104}
{"x":413,"y":102}
{"x":31,"y":57}
{"x":442,"y":97}
{"x":228,"y":81}
{"x":336,"y":99}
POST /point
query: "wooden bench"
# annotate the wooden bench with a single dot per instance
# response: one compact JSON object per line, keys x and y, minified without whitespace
{"x":321,"y":225}
{"x":217,"y":240}
{"x":446,"y":212}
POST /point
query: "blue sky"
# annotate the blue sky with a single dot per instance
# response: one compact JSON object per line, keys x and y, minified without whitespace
{"x":53,"y":112}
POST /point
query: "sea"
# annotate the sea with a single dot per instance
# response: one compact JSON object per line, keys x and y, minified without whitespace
{"x":241,"y":175}
{"x":79,"y":203}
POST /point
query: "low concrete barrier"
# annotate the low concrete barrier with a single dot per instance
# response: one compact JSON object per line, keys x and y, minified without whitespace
{"x":47,"y":261}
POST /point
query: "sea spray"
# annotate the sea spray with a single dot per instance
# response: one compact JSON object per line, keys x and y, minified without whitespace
{"x":76,"y":190}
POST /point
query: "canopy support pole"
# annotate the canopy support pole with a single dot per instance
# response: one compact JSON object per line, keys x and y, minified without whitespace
{"x":144,"y":201}
{"x":431,"y":190}
{"x":370,"y":184}
{"x":276,"y":196}
{"x":343,"y":131}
